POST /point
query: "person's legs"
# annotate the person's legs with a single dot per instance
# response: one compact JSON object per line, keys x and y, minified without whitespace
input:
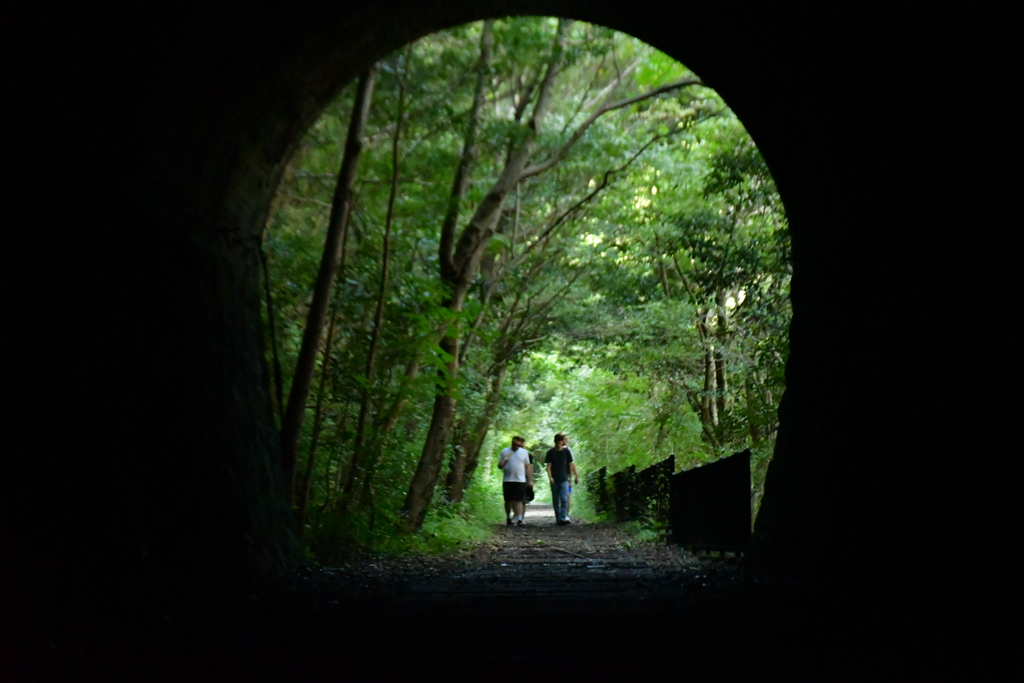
{"x":565,"y":500}
{"x":508,"y":502}
{"x":519,"y":508}
{"x":560,"y":494}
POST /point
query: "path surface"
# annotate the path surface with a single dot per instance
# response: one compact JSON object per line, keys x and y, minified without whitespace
{"x":584,"y":601}
{"x":620,"y":607}
{"x":589,"y":568}
{"x":541,"y":561}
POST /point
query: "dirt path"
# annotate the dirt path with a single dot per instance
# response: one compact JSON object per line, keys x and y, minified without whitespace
{"x":586,"y":599}
{"x":595,"y":567}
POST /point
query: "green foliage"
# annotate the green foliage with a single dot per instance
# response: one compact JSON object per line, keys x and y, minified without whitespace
{"x":645,"y":531}
{"x":660,"y":238}
{"x":449,"y":527}
{"x":583,"y":506}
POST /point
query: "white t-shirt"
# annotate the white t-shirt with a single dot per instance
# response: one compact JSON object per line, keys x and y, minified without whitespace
{"x":515,"y":468}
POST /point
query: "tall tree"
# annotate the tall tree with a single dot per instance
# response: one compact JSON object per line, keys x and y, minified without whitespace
{"x":357,"y":471}
{"x":601,"y":209}
{"x":291,"y":427}
{"x":455,"y":276}
{"x":459,"y":260}
{"x":318,"y":414}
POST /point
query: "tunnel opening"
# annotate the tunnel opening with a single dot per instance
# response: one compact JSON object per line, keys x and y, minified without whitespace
{"x":175,"y":498}
{"x":630,"y":286}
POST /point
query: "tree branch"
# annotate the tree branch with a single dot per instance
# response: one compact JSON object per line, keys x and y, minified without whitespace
{"x":469,"y":154}
{"x":613,"y":84}
{"x":481,"y":226}
{"x":605,"y":181}
{"x":578,"y":133}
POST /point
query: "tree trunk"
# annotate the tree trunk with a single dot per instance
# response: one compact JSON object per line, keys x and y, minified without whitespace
{"x":469,"y":153}
{"x":457,"y":471}
{"x":709,"y":408}
{"x":462,"y":473}
{"x":401,"y":398}
{"x":334,"y":483}
{"x":664,"y":279}
{"x":473,"y":451}
{"x":421,"y":490}
{"x":291,"y":428}
{"x":356,"y":472}
{"x":471,"y":336}
{"x":722,"y":333}
{"x":752,"y":425}
{"x":721,"y":385}
{"x":457,"y":463}
{"x":459,"y":267}
{"x":318,"y":414}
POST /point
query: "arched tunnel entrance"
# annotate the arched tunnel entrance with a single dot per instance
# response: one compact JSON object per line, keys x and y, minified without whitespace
{"x":632,"y":290}
{"x":263,"y":104}
{"x":179,"y":500}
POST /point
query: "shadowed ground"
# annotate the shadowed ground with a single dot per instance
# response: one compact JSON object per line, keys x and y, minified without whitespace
{"x":588,"y":567}
{"x":584,"y":598}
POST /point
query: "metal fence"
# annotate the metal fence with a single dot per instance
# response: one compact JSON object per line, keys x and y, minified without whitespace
{"x":622,"y":494}
{"x":631,"y":494}
{"x":706,"y":507}
{"x":597,"y":486}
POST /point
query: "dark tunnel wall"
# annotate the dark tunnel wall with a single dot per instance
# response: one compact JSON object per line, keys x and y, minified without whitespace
{"x":159,"y":470}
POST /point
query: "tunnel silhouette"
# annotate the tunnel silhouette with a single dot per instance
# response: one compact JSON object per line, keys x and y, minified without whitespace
{"x":169,"y":492}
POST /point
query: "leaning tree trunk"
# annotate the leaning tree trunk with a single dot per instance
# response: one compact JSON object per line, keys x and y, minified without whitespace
{"x":457,"y":470}
{"x":294,"y":415}
{"x":459,"y":265}
{"x":424,"y":480}
{"x":468,"y":457}
{"x":314,"y":440}
{"x":386,"y":424}
{"x":457,"y":463}
{"x":421,"y":490}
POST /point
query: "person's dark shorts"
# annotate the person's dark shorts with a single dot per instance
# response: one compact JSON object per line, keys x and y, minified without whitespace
{"x":515,"y":491}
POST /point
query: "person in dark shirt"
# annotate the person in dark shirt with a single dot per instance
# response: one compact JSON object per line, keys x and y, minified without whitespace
{"x":560,"y":467}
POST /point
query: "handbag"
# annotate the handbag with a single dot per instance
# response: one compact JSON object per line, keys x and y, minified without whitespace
{"x":528,"y":498}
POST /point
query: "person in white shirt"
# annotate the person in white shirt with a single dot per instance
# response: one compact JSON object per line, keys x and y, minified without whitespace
{"x":515,"y":463}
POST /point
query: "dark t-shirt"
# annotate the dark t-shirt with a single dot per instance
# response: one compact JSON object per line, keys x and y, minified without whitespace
{"x":559,"y":464}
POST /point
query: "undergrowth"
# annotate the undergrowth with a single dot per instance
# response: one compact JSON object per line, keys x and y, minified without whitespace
{"x":583,"y":506}
{"x":647,"y":530}
{"x":334,"y":536}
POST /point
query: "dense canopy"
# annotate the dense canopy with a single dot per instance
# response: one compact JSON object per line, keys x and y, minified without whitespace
{"x":548,"y":226}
